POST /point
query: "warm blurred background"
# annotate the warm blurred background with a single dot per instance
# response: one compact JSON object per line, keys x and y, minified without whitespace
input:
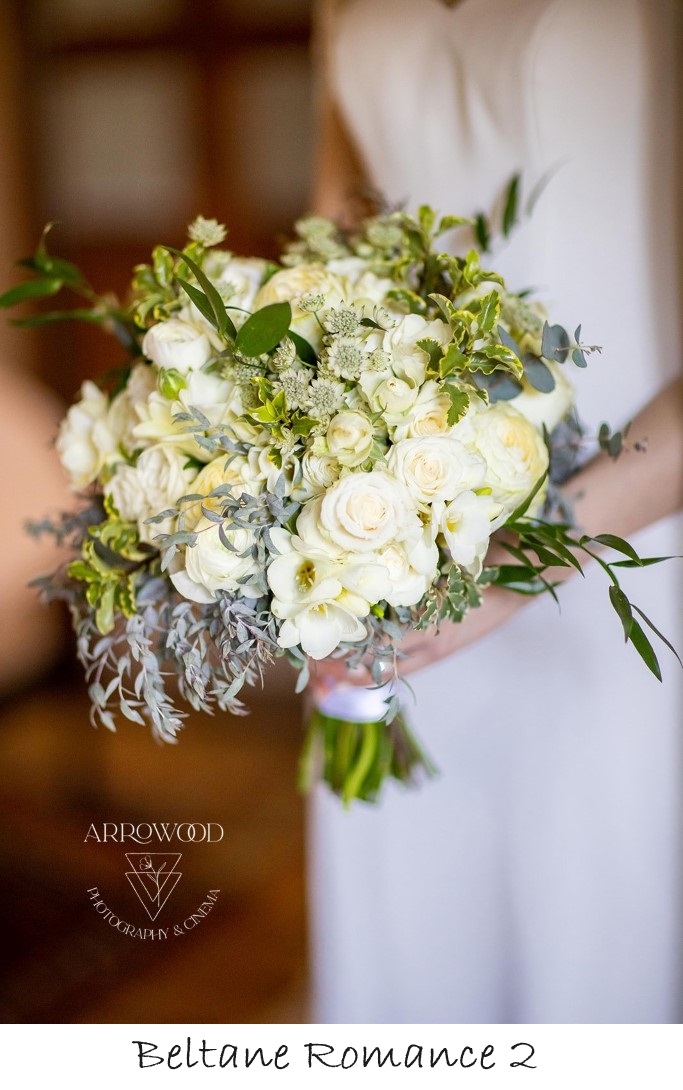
{"x":122,"y":121}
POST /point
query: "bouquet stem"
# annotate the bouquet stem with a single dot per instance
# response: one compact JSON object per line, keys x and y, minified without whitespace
{"x":354,"y":756}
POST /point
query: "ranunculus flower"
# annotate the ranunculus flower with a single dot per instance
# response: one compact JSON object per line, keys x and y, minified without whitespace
{"x":178,"y":345}
{"x":435,"y":468}
{"x":87,"y":440}
{"x":210,"y":567}
{"x":156,"y":482}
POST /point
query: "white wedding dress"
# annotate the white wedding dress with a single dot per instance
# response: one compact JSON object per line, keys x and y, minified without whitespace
{"x":538,"y":879}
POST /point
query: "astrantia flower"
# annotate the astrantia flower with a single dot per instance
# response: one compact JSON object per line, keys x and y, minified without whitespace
{"x":207,"y":231}
{"x":325,"y":397}
{"x":345,"y":358}
{"x":295,"y":385}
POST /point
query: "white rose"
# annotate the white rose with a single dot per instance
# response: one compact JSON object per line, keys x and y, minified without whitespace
{"x":546,"y":409}
{"x":86,"y":441}
{"x":408,"y":361}
{"x":350,"y":436}
{"x":435,"y":468}
{"x":319,"y":470}
{"x":361,"y":283}
{"x":388,"y":394}
{"x":314,"y":540}
{"x":466,"y":524}
{"x":516,"y":456}
{"x":427,"y":416}
{"x":363,"y":512}
{"x":238,"y":279}
{"x":177,"y":344}
{"x":210,"y":567}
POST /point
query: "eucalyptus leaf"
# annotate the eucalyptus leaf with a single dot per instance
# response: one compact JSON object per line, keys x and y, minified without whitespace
{"x":555,"y":343}
{"x":538,"y":374}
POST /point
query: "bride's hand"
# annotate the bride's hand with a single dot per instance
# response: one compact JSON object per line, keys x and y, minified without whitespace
{"x":425,"y":648}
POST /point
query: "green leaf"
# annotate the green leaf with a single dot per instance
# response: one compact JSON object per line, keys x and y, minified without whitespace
{"x":509,"y":342}
{"x":77,"y":314}
{"x":616,"y":543}
{"x":452,"y":360}
{"x":489,"y":311}
{"x":578,"y":358}
{"x":304,"y":350}
{"x":264,"y":329}
{"x":538,"y":374}
{"x":31,"y":289}
{"x":656,"y":631}
{"x":481,"y":232}
{"x":460,"y":401}
{"x":511,"y":205}
{"x":622,"y":607}
{"x":434,"y":350}
{"x":643,"y":562}
{"x":524,"y":507}
{"x":447,"y":223}
{"x":219,"y":315}
{"x":200,"y":300}
{"x":645,"y":649}
{"x":500,"y":386}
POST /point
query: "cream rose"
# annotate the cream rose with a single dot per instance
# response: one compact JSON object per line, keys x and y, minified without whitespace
{"x":350,"y":437}
{"x":177,"y":344}
{"x":363,"y":512}
{"x":516,"y":456}
{"x":210,"y":567}
{"x":319,"y":471}
{"x":435,"y":468}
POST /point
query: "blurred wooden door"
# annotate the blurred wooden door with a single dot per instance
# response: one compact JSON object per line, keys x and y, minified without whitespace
{"x":139,"y":115}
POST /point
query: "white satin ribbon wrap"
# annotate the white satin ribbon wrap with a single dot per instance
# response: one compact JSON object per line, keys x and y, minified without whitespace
{"x":355,"y":703}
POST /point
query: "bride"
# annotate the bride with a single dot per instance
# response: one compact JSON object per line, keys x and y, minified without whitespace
{"x":538,"y":878}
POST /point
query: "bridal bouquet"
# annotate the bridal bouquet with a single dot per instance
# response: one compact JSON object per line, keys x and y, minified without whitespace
{"x":309,"y":460}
